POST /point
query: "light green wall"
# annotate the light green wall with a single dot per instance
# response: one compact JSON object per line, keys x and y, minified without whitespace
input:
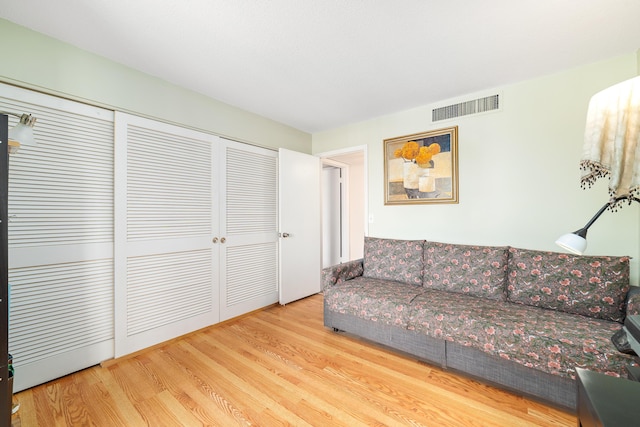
{"x":518,"y":168}
{"x":519,"y":176}
{"x":35,"y":61}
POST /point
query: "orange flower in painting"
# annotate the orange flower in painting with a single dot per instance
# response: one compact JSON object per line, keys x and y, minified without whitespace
{"x":426,"y":153}
{"x":409,"y":151}
{"x":412,"y":152}
{"x":424,"y":156}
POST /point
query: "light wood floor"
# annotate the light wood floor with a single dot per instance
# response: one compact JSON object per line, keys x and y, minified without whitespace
{"x":275,"y":367}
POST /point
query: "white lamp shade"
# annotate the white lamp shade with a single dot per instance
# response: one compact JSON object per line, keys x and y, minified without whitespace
{"x":572,"y":243}
{"x":23,"y":134}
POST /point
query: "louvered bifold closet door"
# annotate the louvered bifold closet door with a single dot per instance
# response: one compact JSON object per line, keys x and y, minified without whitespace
{"x":60,"y":238}
{"x":249,"y":224}
{"x":166,"y":218}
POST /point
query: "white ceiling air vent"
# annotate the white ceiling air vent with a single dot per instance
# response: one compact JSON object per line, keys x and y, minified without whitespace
{"x":480,"y":105}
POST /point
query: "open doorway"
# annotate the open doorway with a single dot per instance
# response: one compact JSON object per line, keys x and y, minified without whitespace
{"x":344,"y":201}
{"x":334,"y":227}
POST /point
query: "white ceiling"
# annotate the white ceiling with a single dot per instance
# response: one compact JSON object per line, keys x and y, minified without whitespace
{"x":319,"y":64}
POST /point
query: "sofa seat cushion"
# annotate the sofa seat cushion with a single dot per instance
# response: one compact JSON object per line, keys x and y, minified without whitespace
{"x":397,"y":260}
{"x":594,"y":286}
{"x":547,"y":340}
{"x":377,"y":300}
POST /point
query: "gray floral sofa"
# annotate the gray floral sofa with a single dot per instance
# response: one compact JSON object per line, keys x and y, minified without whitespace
{"x":521,"y":319}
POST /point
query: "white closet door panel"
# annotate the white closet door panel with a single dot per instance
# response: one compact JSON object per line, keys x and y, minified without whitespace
{"x":49,"y":303}
{"x":249,"y":223}
{"x":251,"y":191}
{"x":166,"y":217}
{"x":43,"y":255}
{"x":59,"y":365}
{"x":59,"y":314}
{"x":252,"y":272}
{"x":61,"y":190}
{"x":167,"y":288}
{"x":168,"y":185}
{"x":60,"y":238}
{"x":159,"y":246}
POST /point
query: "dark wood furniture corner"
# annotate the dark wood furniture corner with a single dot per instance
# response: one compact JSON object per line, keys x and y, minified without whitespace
{"x":633,"y":372}
{"x":5,"y":394}
{"x":607,"y":401}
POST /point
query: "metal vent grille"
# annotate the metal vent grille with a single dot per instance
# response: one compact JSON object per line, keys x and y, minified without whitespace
{"x":480,"y":105}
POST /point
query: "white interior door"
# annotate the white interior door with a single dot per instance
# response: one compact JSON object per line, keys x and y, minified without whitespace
{"x":300,"y":225}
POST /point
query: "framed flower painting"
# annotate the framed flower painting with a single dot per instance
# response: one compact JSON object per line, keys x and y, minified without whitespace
{"x":421,"y":168}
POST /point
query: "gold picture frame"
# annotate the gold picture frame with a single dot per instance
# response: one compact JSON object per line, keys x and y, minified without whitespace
{"x":421,"y":168}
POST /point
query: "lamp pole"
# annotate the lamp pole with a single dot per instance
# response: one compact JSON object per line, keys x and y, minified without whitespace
{"x":583,"y":231}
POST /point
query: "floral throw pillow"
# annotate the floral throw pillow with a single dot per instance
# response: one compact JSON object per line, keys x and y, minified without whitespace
{"x":398,"y":260}
{"x":480,"y":271}
{"x":594,"y":286}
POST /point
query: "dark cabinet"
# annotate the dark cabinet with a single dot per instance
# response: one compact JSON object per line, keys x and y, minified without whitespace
{"x":606,"y":401}
{"x":5,"y":393}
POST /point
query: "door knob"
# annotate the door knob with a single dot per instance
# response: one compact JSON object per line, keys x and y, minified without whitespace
{"x":215,"y":240}
{"x":222,"y":240}
{"x":285,"y":235}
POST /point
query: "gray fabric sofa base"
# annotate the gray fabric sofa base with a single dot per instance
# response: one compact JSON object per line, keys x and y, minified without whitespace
{"x":548,"y":388}
{"x":554,"y":389}
{"x":424,"y":347}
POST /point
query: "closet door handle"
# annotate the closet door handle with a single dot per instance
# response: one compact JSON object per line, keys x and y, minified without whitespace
{"x":222,"y":240}
{"x":215,"y":240}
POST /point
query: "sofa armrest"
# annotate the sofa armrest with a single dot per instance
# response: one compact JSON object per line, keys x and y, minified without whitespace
{"x":341,"y":272}
{"x":633,"y":301}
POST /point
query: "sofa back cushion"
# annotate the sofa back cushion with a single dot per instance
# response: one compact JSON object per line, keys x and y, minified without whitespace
{"x":398,"y":260}
{"x":480,"y":271}
{"x":594,"y":286}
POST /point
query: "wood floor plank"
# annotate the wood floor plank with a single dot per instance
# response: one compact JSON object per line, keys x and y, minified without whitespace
{"x":266,"y":362}
{"x":248,"y":380}
{"x":491,"y":395}
{"x":314,"y":375}
{"x":205,"y":392}
{"x":208,"y":409}
{"x":118,"y":398}
{"x":95,"y":399}
{"x":275,"y":367}
{"x":257,"y":377}
{"x":349,"y":368}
